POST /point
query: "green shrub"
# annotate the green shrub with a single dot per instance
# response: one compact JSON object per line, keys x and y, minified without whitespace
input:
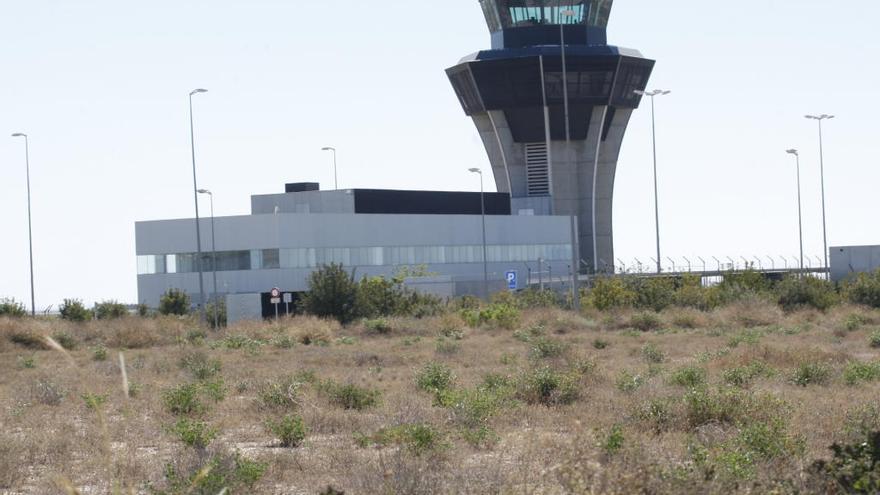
{"x":280,"y":394}
{"x":750,"y":337}
{"x":527,"y":334}
{"x":689,"y":376}
{"x":614,"y":441}
{"x":703,"y":406}
{"x":544,"y":347}
{"x":379,"y":297}
{"x":501,"y":315}
{"x":806,"y":292}
{"x":284,"y":342}
{"x":290,"y":430}
{"x":379,"y":326}
{"x":234,"y":342}
{"x":435,"y":377}
{"x":175,"y":302}
{"x":194,"y":434}
{"x":853,"y":322}
{"x":692,"y":294}
{"x":447,"y":347}
{"x":65,"y":340}
{"x":656,"y":413}
{"x":220,"y":308}
{"x":472,"y":408}
{"x":201,"y":367}
{"x":855,"y":468}
{"x":652,"y":354}
{"x":535,"y":298}
{"x":646,"y":322}
{"x":12,"y":309}
{"x":27,"y":363}
{"x":655,"y":293}
{"x":223,"y":473}
{"x":73,"y":310}
{"x":811,"y":374}
{"x":611,"y":293}
{"x":214,"y":390}
{"x":196,"y":336}
{"x":743,"y":376}
{"x":110,"y":310}
{"x":874,"y":339}
{"x":332,"y":294}
{"x":856,"y":373}
{"x":418,"y":438}
{"x":742,"y":285}
{"x":627,"y":382}
{"x":600,"y":344}
{"x":99,"y":353}
{"x":349,"y":396}
{"x":183,"y":400}
{"x":863,"y":289}
{"x":94,"y":401}
{"x":548,"y":387}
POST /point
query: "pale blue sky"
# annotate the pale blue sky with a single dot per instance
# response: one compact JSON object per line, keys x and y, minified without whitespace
{"x":101,"y":87}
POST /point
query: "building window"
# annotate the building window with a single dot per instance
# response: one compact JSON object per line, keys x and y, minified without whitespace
{"x":304,"y":258}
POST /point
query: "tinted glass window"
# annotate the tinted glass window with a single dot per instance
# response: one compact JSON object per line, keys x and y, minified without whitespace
{"x":502,"y":14}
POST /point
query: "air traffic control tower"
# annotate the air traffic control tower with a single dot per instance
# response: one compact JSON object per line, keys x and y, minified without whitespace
{"x":554,"y":145}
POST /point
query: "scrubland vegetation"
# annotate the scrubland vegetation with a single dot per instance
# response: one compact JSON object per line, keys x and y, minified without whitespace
{"x":653,"y":386}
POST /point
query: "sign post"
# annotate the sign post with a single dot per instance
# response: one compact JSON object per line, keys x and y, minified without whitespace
{"x":275,"y":299}
{"x":288,"y":298}
{"x":511,"y":277}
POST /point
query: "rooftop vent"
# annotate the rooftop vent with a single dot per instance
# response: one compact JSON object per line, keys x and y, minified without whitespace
{"x":301,"y":187}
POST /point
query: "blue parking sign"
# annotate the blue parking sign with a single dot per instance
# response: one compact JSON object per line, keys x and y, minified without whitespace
{"x":511,"y":280}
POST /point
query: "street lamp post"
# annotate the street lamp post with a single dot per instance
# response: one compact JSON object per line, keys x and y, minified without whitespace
{"x":213,"y":259}
{"x":192,"y":136}
{"x":819,"y":119}
{"x":335,"y":176}
{"x":27,"y":163}
{"x":797,"y":157}
{"x":652,"y":94}
{"x":483,"y":217}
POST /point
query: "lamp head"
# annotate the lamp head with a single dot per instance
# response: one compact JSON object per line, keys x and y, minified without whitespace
{"x":18,"y":134}
{"x":792,"y":152}
{"x":475,"y":170}
{"x":204,"y":191}
{"x":328,"y":148}
{"x":198,"y":91}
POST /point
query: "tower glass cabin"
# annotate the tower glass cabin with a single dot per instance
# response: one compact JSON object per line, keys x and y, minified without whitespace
{"x":552,"y":115}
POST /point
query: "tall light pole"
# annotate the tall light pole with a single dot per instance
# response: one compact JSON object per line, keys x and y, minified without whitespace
{"x":819,"y":119}
{"x":483,"y":216}
{"x":797,"y":157}
{"x":192,"y":136}
{"x":564,"y":14}
{"x":213,"y":258}
{"x":27,"y":164}
{"x":335,"y":176}
{"x":652,"y":94}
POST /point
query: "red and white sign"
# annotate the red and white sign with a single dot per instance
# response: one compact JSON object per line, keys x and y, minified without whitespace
{"x":275,"y":293}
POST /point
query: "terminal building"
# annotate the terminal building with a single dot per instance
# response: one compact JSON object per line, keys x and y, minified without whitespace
{"x":370,"y":232}
{"x":551,"y":101}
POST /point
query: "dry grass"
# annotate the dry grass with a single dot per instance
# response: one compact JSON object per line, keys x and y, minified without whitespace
{"x":653,"y":435}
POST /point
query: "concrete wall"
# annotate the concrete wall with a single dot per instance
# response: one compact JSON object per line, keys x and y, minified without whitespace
{"x":340,"y":230}
{"x":849,"y":260}
{"x":582,"y":175}
{"x":304,"y":202}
